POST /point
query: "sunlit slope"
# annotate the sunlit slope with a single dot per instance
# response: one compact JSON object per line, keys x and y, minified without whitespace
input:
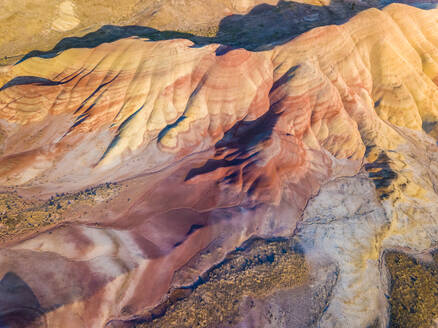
{"x":331,"y":135}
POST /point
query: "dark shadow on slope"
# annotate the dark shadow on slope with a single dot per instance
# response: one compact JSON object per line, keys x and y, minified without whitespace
{"x":112,"y":33}
{"x":19,"y":306}
{"x":242,"y":137}
{"x":381,"y":173}
{"x":264,"y":27}
{"x":21,"y":80}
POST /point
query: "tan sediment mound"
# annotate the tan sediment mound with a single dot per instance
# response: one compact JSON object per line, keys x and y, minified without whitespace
{"x":67,"y":19}
{"x":212,"y":145}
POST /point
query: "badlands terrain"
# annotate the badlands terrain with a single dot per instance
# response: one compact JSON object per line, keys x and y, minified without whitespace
{"x":218,"y":163}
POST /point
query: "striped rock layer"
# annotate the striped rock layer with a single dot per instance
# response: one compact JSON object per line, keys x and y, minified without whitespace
{"x":211,"y":145}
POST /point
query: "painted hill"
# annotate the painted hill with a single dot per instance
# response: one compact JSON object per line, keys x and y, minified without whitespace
{"x":143,"y":173}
